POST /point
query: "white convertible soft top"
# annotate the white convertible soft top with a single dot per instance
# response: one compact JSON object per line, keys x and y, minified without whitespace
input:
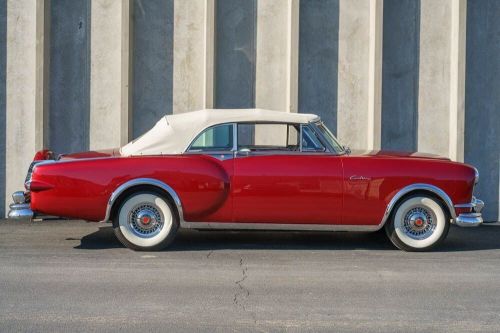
{"x":172,"y":134}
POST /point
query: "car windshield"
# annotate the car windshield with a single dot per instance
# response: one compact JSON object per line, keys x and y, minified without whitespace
{"x":330,"y":138}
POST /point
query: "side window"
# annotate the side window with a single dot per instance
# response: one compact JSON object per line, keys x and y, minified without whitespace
{"x":264,"y":137}
{"x":310,"y":141}
{"x":214,"y":138}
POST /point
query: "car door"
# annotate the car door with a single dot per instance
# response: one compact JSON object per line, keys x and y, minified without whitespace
{"x":283,"y":174}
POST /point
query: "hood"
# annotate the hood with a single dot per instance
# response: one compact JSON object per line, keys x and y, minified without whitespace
{"x":91,"y":154}
{"x":397,"y":154}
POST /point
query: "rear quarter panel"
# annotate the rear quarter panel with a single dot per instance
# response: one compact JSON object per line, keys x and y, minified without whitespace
{"x":83,"y":187}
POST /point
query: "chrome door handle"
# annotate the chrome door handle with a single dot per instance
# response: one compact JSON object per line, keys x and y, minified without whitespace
{"x":353,"y":178}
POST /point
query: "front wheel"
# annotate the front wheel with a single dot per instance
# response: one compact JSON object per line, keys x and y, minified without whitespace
{"x":418,"y":223}
{"x":145,"y":221}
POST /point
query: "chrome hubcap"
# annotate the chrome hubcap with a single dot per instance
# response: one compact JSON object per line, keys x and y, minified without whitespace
{"x":419,"y":223}
{"x":145,"y":220}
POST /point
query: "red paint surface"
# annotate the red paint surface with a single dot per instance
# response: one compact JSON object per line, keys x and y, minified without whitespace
{"x":288,"y":188}
{"x":294,"y":188}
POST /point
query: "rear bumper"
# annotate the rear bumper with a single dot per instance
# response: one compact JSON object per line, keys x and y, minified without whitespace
{"x":472,"y":219}
{"x":469,"y":220}
{"x":20,"y":209}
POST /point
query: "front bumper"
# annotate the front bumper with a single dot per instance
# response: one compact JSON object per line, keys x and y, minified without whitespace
{"x":472,"y":219}
{"x":20,"y":209}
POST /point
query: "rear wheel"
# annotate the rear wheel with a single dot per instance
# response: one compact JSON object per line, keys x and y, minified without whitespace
{"x":418,"y":223}
{"x":145,"y":221}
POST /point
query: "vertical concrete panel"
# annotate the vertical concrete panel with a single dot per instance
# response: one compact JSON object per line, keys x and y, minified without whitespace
{"x":318,"y":59}
{"x":482,"y":100}
{"x":152,"y":62}
{"x":277,"y":55}
{"x":3,"y":55}
{"x":400,"y":74}
{"x":69,"y":76}
{"x":109,"y":84}
{"x":25,"y":90}
{"x":457,"y":79}
{"x":235,"y":53}
{"x":193,"y":55}
{"x":359,"y":82}
{"x":434,"y":77}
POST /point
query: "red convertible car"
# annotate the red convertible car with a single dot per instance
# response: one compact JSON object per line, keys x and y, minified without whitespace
{"x":251,"y":169}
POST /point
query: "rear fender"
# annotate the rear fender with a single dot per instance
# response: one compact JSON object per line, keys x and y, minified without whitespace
{"x":143,"y":181}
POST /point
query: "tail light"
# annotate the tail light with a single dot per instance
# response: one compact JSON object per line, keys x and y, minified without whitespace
{"x":37,"y":186}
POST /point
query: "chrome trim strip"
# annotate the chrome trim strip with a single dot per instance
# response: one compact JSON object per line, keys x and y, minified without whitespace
{"x":467,"y":205}
{"x":276,"y":226}
{"x":143,"y":181}
{"x":415,"y":187}
{"x":301,"y":136}
{"x":235,"y":137}
{"x":476,"y":204}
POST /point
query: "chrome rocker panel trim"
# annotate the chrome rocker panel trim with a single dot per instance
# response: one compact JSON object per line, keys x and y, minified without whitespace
{"x":276,"y":226}
{"x":143,"y":181}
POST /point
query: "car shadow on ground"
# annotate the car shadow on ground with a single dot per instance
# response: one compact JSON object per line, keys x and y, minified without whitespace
{"x":486,"y":237}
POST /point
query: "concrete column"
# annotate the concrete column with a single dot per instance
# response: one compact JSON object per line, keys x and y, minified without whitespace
{"x":318,"y":59}
{"x":442,"y":73}
{"x":235,"y":30}
{"x":69,"y":86}
{"x":3,"y":61}
{"x":109,"y":74}
{"x":400,"y":74}
{"x":360,"y":73}
{"x":193,"y":55}
{"x":152,"y":62}
{"x":277,"y":55}
{"x":482,"y":117}
{"x":457,"y":79}
{"x":26,"y":100}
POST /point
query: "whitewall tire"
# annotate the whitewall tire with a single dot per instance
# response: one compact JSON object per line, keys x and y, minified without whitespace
{"x":145,"y":221}
{"x":418,"y":223}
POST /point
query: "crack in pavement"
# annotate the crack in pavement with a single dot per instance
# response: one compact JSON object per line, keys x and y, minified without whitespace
{"x":243,"y":292}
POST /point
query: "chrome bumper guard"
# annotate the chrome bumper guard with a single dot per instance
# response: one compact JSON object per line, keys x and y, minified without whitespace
{"x":473,"y":219}
{"x":20,"y":209}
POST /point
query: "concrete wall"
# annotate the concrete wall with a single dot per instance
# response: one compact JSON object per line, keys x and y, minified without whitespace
{"x":69,"y":108}
{"x":400,"y":74}
{"x":397,"y":74}
{"x":3,"y":55}
{"x":235,"y":34}
{"x":482,"y":99}
{"x":318,"y":59}
{"x":153,"y":37}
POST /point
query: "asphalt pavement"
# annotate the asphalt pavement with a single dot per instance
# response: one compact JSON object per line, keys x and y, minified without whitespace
{"x":73,"y":276}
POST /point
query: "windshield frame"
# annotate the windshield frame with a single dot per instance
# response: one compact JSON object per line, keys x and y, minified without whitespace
{"x":327,"y":137}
